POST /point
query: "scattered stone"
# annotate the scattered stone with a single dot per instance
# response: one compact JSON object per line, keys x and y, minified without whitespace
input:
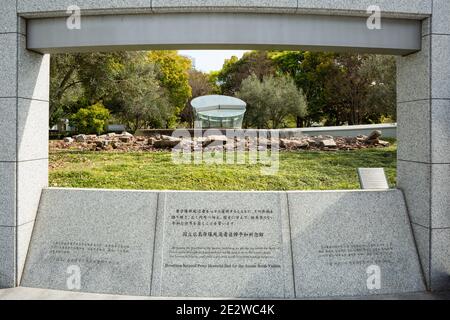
{"x":293,"y":144}
{"x":126,"y":142}
{"x":80,"y":138}
{"x":328,"y":143}
{"x":384,"y":143}
{"x":151,"y":141}
{"x":373,"y":141}
{"x":167,"y":142}
{"x":215,"y":139}
{"x":91,"y":137}
{"x":351,"y":140}
{"x":374,"y":135}
{"x":101,"y":143}
{"x":362,"y":138}
{"x":125,"y":139}
{"x":115,"y":144}
{"x":204,"y":141}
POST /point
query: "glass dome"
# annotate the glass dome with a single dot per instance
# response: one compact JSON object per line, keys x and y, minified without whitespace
{"x":216,"y":111}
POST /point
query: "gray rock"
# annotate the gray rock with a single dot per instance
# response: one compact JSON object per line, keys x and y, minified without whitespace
{"x":293,"y":144}
{"x":203,"y":141}
{"x":374,"y":135}
{"x":80,"y":138}
{"x":328,"y":143}
{"x":125,"y":139}
{"x":102,"y":143}
{"x":126,"y":134}
{"x":384,"y":143}
{"x":167,"y":142}
{"x":68,"y":140}
{"x":216,"y":140}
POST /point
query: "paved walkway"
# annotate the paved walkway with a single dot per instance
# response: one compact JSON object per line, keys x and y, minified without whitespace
{"x":22,"y":293}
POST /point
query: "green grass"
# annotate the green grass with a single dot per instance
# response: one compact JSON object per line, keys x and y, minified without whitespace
{"x":301,"y":170}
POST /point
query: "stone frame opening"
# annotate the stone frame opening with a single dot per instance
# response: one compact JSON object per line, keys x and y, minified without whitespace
{"x":423,"y":107}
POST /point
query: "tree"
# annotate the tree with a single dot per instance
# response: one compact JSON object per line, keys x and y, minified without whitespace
{"x":310,"y":71}
{"x":79,"y":78}
{"x":201,"y":85}
{"x":235,"y":70}
{"x":174,"y":76}
{"x":360,"y":90}
{"x":142,"y":101}
{"x":271,"y":101}
{"x":381,"y":72}
{"x":91,"y":119}
{"x":63,"y":84}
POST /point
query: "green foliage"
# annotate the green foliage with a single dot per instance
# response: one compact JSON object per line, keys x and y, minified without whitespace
{"x":140,"y":100}
{"x":152,"y":89}
{"x":78,"y":80}
{"x":174,"y":77}
{"x":342,"y":88}
{"x":235,"y":70}
{"x":91,"y":120}
{"x":271,"y":101}
{"x":310,"y":71}
{"x":382,"y":92}
{"x":64,"y":85}
{"x":360,"y":90}
{"x":142,"y":89}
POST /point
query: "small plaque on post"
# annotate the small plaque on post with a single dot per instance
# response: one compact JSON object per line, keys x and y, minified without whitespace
{"x":372,"y":178}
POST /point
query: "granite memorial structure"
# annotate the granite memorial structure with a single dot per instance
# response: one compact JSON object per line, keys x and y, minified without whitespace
{"x":227,"y":244}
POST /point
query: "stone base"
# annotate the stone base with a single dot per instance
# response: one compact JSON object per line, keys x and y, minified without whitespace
{"x":224,"y":244}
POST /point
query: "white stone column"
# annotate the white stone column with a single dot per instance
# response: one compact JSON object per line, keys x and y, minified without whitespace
{"x":24,"y":94}
{"x":424,"y":144}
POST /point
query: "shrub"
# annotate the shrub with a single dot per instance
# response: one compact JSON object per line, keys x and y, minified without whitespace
{"x":91,"y":119}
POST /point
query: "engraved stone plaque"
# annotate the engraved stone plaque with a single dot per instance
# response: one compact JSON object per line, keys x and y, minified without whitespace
{"x":93,"y":241}
{"x":223,"y":244}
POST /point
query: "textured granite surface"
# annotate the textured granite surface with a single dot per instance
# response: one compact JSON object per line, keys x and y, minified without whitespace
{"x":107,"y":235}
{"x":233,"y":245}
{"x":339,"y":238}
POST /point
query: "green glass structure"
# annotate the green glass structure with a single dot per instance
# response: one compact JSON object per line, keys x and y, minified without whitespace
{"x":215,"y":111}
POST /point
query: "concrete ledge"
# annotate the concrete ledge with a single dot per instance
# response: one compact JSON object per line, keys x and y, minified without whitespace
{"x":412,"y":9}
{"x":22,"y":293}
{"x":387,"y":130}
{"x":223,"y":31}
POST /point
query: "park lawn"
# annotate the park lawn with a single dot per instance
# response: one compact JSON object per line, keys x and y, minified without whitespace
{"x":302,"y":170}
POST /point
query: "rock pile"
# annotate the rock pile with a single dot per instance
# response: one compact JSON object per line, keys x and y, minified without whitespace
{"x":126,"y":142}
